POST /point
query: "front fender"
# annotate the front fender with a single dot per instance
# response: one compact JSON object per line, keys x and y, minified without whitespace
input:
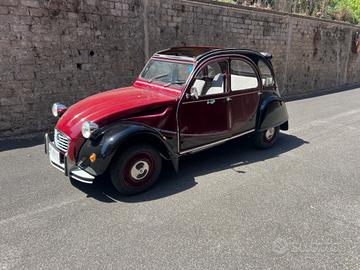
{"x":272,"y":113}
{"x":116,"y":137}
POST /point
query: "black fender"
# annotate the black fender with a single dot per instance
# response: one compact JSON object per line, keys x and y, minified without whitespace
{"x":113,"y":139}
{"x":272,"y":113}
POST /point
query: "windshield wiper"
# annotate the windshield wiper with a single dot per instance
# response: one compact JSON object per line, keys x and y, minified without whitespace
{"x":158,"y":77}
{"x":175,"y":82}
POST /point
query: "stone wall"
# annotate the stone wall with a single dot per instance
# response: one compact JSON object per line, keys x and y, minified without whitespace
{"x":64,"y":50}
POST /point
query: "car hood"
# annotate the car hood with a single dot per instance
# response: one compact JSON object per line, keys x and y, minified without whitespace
{"x":115,"y":104}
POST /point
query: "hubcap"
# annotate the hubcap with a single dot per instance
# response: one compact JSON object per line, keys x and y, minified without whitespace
{"x":269,"y":133}
{"x":140,"y":170}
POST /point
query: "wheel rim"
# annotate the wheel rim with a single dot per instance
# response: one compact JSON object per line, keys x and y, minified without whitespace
{"x":139,"y":170}
{"x":269,"y":134}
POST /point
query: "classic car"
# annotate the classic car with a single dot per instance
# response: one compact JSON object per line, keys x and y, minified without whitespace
{"x":186,"y":99}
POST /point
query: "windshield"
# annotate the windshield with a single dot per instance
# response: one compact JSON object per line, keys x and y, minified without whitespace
{"x":167,"y":73}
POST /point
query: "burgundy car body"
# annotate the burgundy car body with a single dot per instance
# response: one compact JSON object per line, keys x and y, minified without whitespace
{"x":109,"y":106}
{"x":166,"y":116}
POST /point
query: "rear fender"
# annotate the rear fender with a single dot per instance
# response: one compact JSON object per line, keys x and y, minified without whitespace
{"x":272,"y":113}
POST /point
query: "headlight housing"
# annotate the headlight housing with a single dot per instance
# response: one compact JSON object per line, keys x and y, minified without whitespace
{"x":58,"y":109}
{"x":88,"y":128}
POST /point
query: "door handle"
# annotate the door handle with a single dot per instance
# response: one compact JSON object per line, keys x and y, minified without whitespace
{"x":211,"y":101}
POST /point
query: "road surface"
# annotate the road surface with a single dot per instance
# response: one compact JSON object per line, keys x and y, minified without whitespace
{"x":296,"y":206}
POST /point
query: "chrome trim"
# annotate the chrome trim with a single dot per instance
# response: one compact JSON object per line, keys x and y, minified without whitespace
{"x":66,"y":165}
{"x":58,"y":109}
{"x":47,"y":140}
{"x":200,"y":148}
{"x":206,"y":100}
{"x":81,"y":180}
{"x":60,"y":168}
{"x":214,"y":134}
{"x":61,"y":141}
{"x":81,"y":175}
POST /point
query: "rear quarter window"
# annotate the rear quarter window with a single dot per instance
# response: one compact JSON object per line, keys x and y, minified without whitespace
{"x":266,"y":74}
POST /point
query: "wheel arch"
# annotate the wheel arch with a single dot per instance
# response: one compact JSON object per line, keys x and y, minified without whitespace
{"x":272,"y":113}
{"x":144,"y":138}
{"x":115,"y":139}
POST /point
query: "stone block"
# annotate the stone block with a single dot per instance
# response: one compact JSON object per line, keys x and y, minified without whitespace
{"x":12,"y":3}
{"x":4,"y":10}
{"x":30,"y":3}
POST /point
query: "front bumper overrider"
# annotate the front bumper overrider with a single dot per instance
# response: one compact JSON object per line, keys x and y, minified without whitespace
{"x":67,"y":166}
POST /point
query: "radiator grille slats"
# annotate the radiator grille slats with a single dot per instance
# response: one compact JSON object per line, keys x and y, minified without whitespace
{"x":61,"y":141}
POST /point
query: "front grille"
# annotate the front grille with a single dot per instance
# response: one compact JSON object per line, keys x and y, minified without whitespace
{"x":61,"y":141}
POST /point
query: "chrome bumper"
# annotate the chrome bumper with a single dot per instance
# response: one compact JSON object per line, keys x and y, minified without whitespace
{"x":68,"y":167}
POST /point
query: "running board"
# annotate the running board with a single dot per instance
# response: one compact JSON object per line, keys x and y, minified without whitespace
{"x":204,"y":147}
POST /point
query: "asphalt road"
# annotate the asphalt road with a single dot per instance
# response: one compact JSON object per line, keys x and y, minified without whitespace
{"x":296,"y":206}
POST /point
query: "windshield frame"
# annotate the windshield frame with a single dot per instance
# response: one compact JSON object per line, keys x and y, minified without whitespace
{"x":165,"y":85}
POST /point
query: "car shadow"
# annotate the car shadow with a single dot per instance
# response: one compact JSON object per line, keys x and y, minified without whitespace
{"x":21,"y":142}
{"x":232,"y":155}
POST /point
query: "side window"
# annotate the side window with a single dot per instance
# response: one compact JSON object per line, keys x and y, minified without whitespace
{"x":243,"y":76}
{"x":266,"y":76}
{"x":210,"y":80}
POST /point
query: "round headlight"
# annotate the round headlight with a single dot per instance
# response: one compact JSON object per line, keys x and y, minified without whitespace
{"x":88,"y":128}
{"x":58,"y":109}
{"x":54,"y":110}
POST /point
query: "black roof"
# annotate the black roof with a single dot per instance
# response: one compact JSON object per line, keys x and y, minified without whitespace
{"x":199,"y":53}
{"x":191,"y":52}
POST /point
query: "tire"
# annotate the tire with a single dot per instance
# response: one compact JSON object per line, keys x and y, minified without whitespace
{"x":136,"y":170}
{"x":266,"y":139}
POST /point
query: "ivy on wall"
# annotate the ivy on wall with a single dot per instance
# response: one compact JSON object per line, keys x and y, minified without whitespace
{"x":341,"y":10}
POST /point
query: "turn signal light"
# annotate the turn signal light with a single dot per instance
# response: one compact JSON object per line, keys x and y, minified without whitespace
{"x":92,"y":157}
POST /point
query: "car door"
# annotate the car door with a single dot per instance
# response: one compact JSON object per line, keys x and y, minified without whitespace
{"x":205,"y":120}
{"x":245,"y":94}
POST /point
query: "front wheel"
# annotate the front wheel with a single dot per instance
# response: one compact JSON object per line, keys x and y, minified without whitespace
{"x":136,"y":170}
{"x":266,"y":138}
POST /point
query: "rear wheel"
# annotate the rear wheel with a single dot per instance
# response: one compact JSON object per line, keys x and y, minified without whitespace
{"x":136,"y":170}
{"x":266,"y":139}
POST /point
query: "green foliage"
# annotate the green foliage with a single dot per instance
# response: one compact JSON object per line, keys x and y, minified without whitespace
{"x":345,"y":10}
{"x":342,"y":10}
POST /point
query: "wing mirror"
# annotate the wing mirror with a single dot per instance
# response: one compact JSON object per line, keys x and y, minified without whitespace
{"x":194,"y":93}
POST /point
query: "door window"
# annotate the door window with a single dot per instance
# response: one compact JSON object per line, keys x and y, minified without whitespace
{"x":210,"y":80}
{"x":243,"y":76}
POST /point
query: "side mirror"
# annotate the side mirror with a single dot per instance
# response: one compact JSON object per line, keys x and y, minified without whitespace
{"x":194,"y":94}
